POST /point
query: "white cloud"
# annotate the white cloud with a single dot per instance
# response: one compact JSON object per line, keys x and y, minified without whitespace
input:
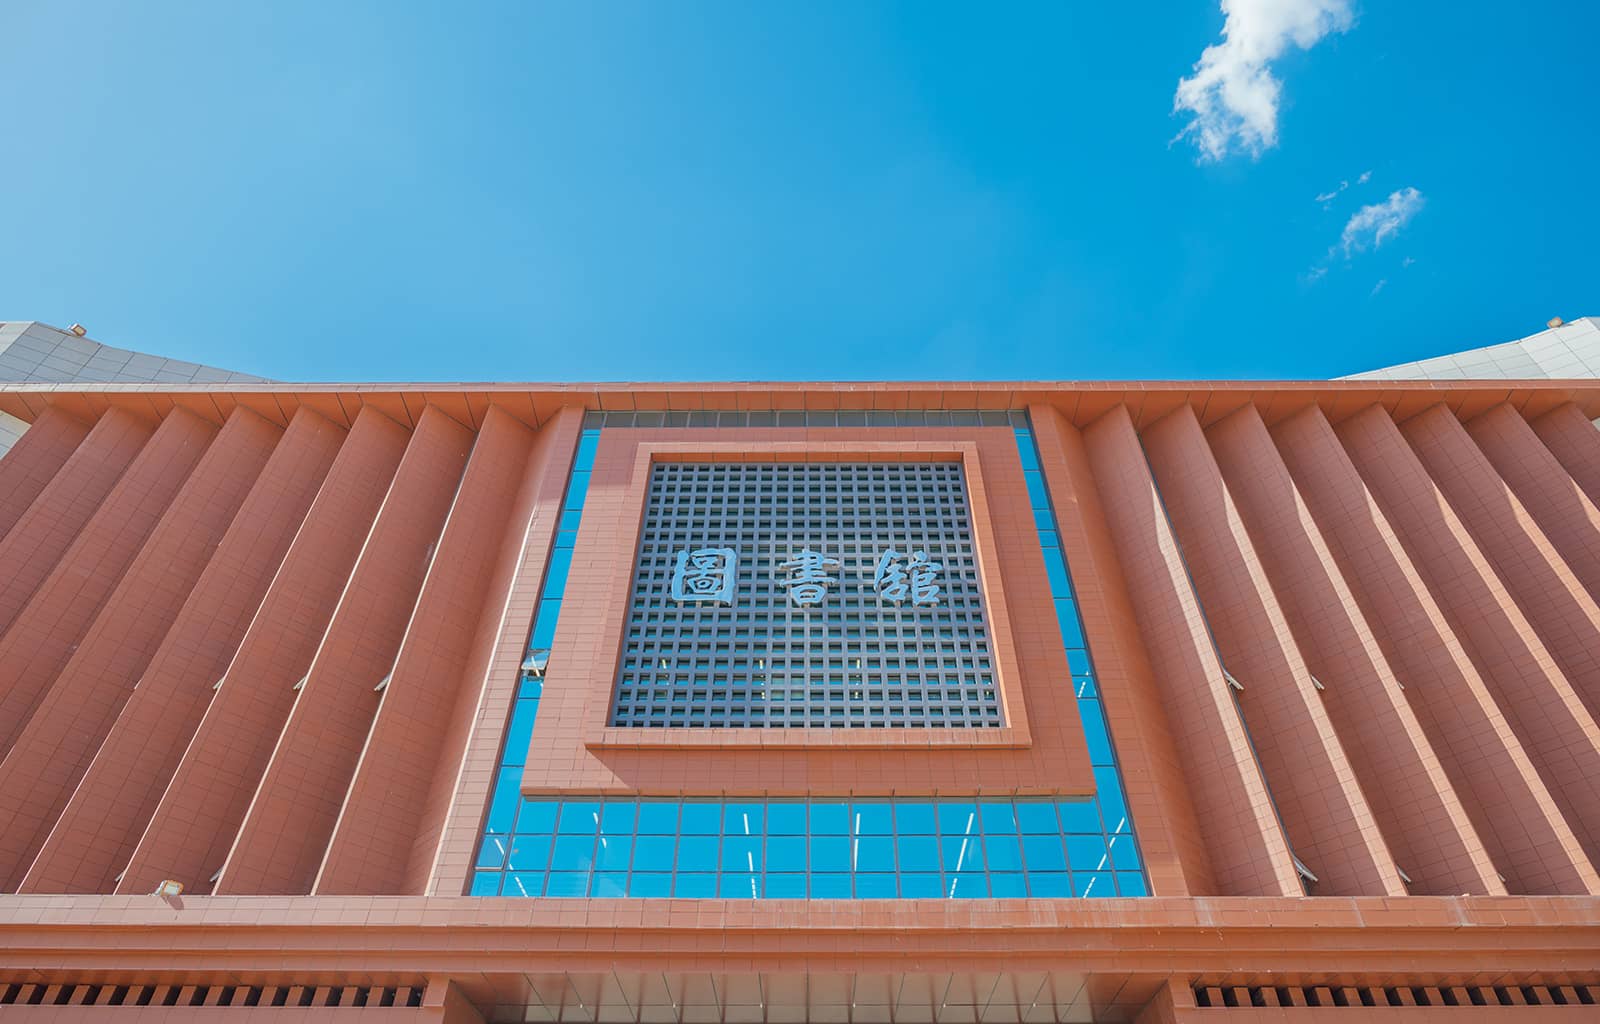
{"x":1379,"y":286}
{"x":1315,"y":274}
{"x":1328,"y":197}
{"x":1407,"y":261}
{"x":1233,"y":95}
{"x":1370,"y":225}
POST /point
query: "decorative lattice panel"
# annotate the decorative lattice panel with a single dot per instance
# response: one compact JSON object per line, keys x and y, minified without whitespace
{"x":874,"y":643}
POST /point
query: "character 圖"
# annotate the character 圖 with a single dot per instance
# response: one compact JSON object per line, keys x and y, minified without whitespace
{"x":705,"y":575}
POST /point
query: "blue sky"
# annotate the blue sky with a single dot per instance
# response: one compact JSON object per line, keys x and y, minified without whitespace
{"x":604,"y":191}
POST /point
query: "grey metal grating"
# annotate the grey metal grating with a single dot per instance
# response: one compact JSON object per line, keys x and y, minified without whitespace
{"x":853,"y":661}
{"x":623,"y":418}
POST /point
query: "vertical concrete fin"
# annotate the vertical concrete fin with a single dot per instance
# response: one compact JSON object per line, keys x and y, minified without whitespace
{"x":1544,"y":588}
{"x":111,"y":805}
{"x":196,"y":817}
{"x":27,"y":469}
{"x":1530,"y":840}
{"x":1512,"y":808}
{"x":1330,"y":826}
{"x":54,"y":750}
{"x":1538,"y":700}
{"x":1572,"y":438}
{"x":1170,"y":834}
{"x":1172,"y":999}
{"x":52,"y":626}
{"x":419,"y":730}
{"x":285,"y":833}
{"x":1422,"y":818}
{"x":468,"y":786}
{"x":1569,"y":519}
{"x":1248,"y":851}
{"x":444,"y":1001}
{"x":40,"y":537}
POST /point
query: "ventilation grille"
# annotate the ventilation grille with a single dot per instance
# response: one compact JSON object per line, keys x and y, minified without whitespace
{"x":70,"y":994}
{"x":847,"y":656}
{"x":1397,"y":995}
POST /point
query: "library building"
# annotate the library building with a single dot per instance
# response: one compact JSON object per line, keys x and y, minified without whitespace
{"x":966,"y":702}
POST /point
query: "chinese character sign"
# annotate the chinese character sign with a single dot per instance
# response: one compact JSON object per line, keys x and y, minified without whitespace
{"x":808,"y":579}
{"x":705,"y":575}
{"x":708,"y":575}
{"x":777,"y":594}
{"x":897,"y":578}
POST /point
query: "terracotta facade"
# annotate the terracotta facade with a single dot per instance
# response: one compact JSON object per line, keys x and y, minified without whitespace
{"x":263,"y":646}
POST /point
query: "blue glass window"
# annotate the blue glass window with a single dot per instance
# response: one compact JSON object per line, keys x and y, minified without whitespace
{"x":876,"y":887}
{"x":617,"y":818}
{"x":1043,"y":853}
{"x":873,"y":853}
{"x":1004,"y":853}
{"x":503,"y":804}
{"x":829,"y":819}
{"x":695,"y":885}
{"x":874,"y":819}
{"x":529,"y":853}
{"x":520,"y":732}
{"x":1049,"y":885}
{"x":786,"y":854}
{"x":830,"y":887}
{"x":823,"y":849}
{"x":654,"y":853}
{"x":657,"y":818}
{"x":609,"y":883}
{"x":650,"y":884}
{"x":787,"y":886}
{"x":830,"y":853}
{"x":523,"y":884}
{"x":918,"y":853}
{"x":698,"y":853}
{"x":786,"y":819}
{"x":914,"y":819}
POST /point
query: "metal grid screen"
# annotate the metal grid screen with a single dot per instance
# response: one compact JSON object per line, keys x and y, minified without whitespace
{"x":754,"y":647}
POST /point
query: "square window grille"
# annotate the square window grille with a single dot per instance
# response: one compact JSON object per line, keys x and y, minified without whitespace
{"x":756,"y":657}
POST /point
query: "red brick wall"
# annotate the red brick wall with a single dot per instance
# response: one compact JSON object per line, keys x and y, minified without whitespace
{"x":1430,"y":555}
{"x":1432,"y":566}
{"x":94,"y":836}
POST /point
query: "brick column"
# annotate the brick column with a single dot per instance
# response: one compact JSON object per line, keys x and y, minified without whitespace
{"x":192,"y":824}
{"x":285,"y":833}
{"x":1574,"y":441}
{"x":1327,"y":817}
{"x":1544,"y":587}
{"x":1422,"y":818}
{"x":1566,"y":515}
{"x":53,"y":521}
{"x":463,"y":804}
{"x":1173,"y":1003}
{"x":1248,"y":853}
{"x":1170,"y":834}
{"x":444,"y":1001}
{"x":36,"y":458}
{"x":420,"y":728}
{"x":48,"y":631}
{"x":1525,"y":832}
{"x":66,"y":729}
{"x":95,"y":833}
{"x":1560,"y":735}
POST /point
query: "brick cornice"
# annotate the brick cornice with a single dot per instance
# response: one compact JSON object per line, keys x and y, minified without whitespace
{"x":1471,"y":938}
